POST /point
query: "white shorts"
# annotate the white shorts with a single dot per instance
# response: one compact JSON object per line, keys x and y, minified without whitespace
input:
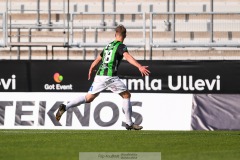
{"x":101,"y":83}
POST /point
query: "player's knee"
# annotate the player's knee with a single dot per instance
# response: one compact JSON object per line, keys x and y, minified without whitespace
{"x":89,"y":98}
{"x":126,"y":94}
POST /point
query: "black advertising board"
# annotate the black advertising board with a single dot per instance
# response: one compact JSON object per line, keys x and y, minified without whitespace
{"x":165,"y":77}
{"x":57,"y":76}
{"x":186,"y":77}
{"x":14,"y":76}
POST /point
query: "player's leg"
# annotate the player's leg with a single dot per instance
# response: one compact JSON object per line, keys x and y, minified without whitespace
{"x":127,"y":108}
{"x":117,"y":86}
{"x":88,"y":98}
{"x":74,"y":103}
{"x":96,"y":87}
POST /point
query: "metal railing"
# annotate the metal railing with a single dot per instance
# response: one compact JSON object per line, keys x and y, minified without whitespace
{"x":166,"y":29}
{"x":180,"y":24}
{"x":74,"y":41}
{"x":3,"y":42}
{"x":24,"y":33}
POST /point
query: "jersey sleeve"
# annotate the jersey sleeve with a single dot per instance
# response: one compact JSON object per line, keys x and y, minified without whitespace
{"x":121,"y":49}
{"x":101,"y":54}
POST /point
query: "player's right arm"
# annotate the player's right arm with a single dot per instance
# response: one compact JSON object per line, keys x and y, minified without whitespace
{"x":93,"y":65}
{"x":143,"y":69}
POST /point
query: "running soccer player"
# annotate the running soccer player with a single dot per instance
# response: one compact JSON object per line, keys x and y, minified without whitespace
{"x":106,"y":77}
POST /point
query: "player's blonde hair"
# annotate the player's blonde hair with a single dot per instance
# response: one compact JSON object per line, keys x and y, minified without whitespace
{"x":121,"y":30}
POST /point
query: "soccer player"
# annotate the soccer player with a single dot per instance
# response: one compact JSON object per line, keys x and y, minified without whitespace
{"x":106,"y":77}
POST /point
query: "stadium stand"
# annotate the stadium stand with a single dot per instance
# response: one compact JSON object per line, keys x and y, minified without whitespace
{"x":157,"y":29}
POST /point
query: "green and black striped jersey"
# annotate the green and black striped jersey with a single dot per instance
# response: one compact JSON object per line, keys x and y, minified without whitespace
{"x":112,"y":56}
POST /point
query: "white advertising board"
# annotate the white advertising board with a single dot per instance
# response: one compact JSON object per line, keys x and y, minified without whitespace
{"x":37,"y":110}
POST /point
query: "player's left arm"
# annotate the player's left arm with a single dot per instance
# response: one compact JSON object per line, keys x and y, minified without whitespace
{"x":93,"y":65}
{"x":143,"y":69}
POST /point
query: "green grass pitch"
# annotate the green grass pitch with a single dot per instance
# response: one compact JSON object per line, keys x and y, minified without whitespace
{"x":66,"y":144}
